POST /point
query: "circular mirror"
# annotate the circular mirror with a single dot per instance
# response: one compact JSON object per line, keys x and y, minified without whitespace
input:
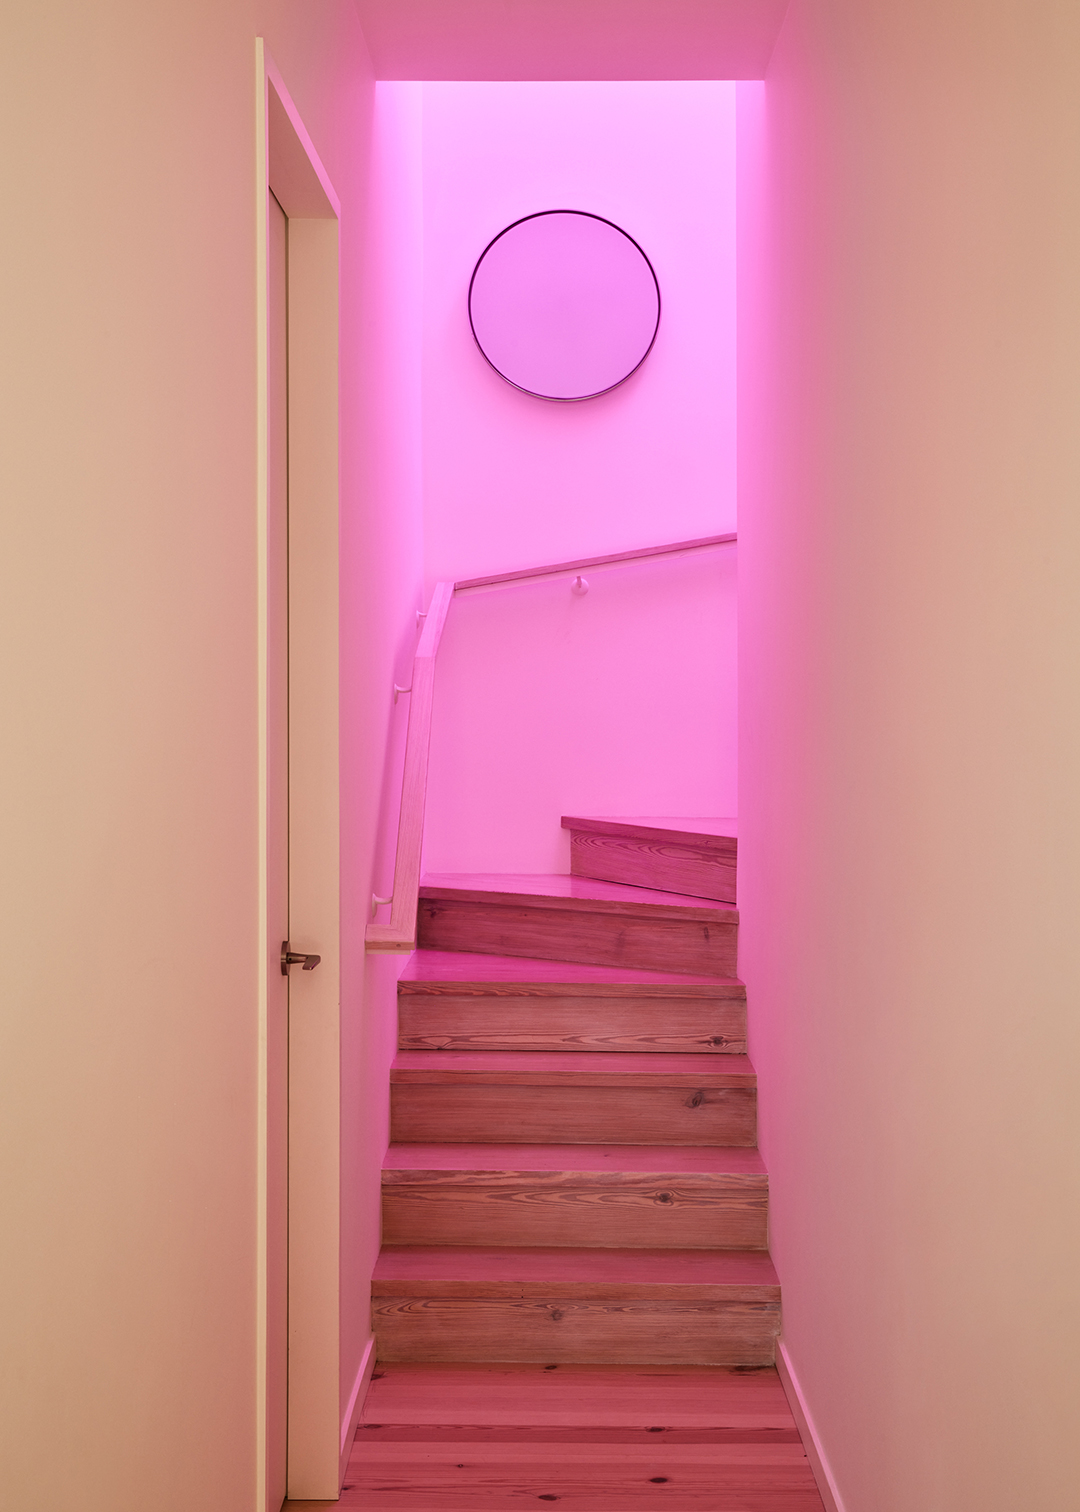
{"x":564,"y":305}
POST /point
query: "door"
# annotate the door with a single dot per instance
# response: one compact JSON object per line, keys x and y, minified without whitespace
{"x":277,"y":859}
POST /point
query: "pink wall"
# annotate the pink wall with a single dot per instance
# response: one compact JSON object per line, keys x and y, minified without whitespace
{"x":909,"y":624}
{"x":622,"y":701}
{"x":381,"y":574}
{"x":509,"y":480}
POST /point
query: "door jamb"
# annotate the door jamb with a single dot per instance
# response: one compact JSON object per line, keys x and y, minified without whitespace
{"x":287,"y":163}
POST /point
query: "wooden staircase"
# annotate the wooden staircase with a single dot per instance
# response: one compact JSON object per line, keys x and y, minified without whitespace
{"x":574,"y":1174}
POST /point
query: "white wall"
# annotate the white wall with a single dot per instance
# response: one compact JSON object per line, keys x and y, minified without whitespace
{"x":129,"y":1064}
{"x":910,"y":708}
{"x":622,"y":701}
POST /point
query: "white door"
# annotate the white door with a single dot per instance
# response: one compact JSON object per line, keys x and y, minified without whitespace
{"x":277,"y":863}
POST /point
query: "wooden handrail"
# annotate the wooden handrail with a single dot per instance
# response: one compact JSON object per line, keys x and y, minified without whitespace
{"x":400,"y":932}
{"x":600,"y":561}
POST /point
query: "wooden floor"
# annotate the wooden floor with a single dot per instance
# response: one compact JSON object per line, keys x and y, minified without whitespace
{"x":591,"y":1438}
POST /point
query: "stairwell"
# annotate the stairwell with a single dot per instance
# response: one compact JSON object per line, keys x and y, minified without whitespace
{"x":574,"y":1175}
{"x":574,"y":1186}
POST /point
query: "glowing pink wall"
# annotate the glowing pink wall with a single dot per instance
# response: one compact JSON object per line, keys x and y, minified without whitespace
{"x":382,"y":568}
{"x":910,"y":702}
{"x":509,"y":480}
{"x":622,"y":701}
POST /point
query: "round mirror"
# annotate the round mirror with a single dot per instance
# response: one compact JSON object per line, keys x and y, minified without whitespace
{"x":564,"y":305}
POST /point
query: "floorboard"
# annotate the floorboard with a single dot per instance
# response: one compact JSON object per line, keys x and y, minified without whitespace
{"x":483,"y":1438}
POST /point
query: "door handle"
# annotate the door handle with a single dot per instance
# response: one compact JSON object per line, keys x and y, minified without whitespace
{"x":294,"y":958}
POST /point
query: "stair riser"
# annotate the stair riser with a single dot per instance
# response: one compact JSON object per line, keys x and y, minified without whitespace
{"x":663,"y":943}
{"x":486,"y":1114}
{"x":562,"y":1331}
{"x":662,"y":864}
{"x":683,"y":1026}
{"x":572,"y":1209}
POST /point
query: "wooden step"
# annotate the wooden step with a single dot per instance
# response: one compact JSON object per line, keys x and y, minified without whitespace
{"x":681,"y":1399}
{"x":565,"y":918}
{"x":614,"y":1196}
{"x":659,"y":1307}
{"x":563,"y":1097}
{"x":601,"y":1438}
{"x":693,"y":856}
{"x":451,"y":1000}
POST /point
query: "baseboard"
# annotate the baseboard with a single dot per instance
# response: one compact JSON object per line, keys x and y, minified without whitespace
{"x":355,"y":1407}
{"x":801,"y":1413}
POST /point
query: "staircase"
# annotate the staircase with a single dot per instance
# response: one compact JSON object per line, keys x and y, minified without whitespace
{"x":573,"y":1175}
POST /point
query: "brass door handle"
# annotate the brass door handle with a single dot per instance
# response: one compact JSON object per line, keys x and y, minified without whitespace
{"x":294,"y":958}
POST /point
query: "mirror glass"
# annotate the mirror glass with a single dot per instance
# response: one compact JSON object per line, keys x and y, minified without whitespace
{"x":564,"y":305}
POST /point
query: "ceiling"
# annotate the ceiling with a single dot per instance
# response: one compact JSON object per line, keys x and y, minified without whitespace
{"x":571,"y":39}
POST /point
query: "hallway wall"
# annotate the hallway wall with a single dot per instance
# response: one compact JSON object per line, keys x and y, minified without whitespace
{"x":128,"y":1095}
{"x":622,"y":701}
{"x":910,"y":735}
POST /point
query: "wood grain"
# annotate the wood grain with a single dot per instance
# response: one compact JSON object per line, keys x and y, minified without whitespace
{"x":685,"y":1397}
{"x":458,"y":1000}
{"x":554,"y":1069}
{"x":605,"y":939}
{"x":631,"y":1115}
{"x":431,"y":969}
{"x":560,"y":891}
{"x":451,"y":1000}
{"x":600,"y":1482}
{"x":703,"y":831}
{"x":552,"y":1330}
{"x":595,"y":1438}
{"x":603,"y":1208}
{"x":648,"y":861}
{"x":570,"y":918}
{"x":640,"y":1274}
{"x":581,"y":1477}
{"x":400,"y":932}
{"x":491,"y":1156}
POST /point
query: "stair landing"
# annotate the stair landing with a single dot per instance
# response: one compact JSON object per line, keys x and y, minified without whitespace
{"x":492,"y":1438}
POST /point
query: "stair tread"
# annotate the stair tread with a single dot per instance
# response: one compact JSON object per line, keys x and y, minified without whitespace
{"x":658,"y":1160}
{"x":589,"y":1068}
{"x":699,"y":831}
{"x":573,"y":892}
{"x":495,"y":1271}
{"x":686,"y":1397}
{"x":462,"y":967}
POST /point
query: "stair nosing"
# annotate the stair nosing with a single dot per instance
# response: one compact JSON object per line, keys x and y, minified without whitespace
{"x":453,"y":1270}
{"x":607,"y":981}
{"x":454,"y":888}
{"x":662,"y":1161}
{"x":574,"y":1068}
{"x":625,"y":827}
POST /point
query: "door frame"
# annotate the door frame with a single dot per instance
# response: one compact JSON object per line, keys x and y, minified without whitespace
{"x":287,"y":163}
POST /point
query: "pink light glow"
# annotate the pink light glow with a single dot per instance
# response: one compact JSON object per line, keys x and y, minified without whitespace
{"x":621,"y":700}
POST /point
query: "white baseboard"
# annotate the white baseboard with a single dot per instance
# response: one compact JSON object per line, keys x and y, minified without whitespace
{"x":800,"y":1411}
{"x":356,"y":1403}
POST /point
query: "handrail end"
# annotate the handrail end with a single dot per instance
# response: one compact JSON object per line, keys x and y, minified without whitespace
{"x":386,"y":937}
